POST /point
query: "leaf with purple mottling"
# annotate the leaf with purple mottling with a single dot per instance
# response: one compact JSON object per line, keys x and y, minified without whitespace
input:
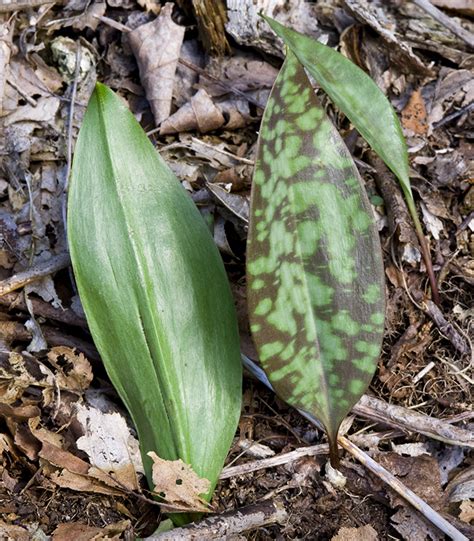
{"x":314,"y":265}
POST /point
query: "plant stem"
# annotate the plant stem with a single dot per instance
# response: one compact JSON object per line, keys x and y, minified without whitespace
{"x":425,"y":251}
{"x":334,"y":451}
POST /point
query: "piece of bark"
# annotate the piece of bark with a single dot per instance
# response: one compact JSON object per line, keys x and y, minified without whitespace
{"x":446,"y":21}
{"x":399,"y":417}
{"x":6,"y":31}
{"x":400,"y":52}
{"x":156,"y":46}
{"x":399,"y":220}
{"x":200,"y":113}
{"x":211,"y":18}
{"x":462,"y":6}
{"x":247,"y":27}
{"x":226,"y":525}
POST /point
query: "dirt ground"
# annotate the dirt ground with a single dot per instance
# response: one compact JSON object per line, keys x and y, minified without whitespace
{"x":54,"y":392}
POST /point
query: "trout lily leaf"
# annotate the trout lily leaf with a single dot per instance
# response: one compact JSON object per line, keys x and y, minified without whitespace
{"x":360,"y":99}
{"x":314,"y":264}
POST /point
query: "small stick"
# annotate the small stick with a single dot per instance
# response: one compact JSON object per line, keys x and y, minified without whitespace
{"x":446,"y":21}
{"x":406,"y":419}
{"x":34,"y":273}
{"x":24,"y":95}
{"x":19,"y":6}
{"x":422,"y":373}
{"x":15,"y":301}
{"x":427,"y":511}
{"x":445,"y":327}
{"x":228,"y":524}
{"x":283,"y":458}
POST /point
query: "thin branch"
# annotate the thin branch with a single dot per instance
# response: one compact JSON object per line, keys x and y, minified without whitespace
{"x":228,"y":524}
{"x":34,"y":273}
{"x":27,"y":4}
{"x":446,"y":21}
{"x":283,"y":458}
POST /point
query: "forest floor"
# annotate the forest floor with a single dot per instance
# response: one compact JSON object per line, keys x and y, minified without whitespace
{"x":57,"y":405}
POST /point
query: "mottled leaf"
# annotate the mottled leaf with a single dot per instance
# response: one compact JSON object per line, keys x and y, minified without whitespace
{"x":358,"y":97}
{"x":154,"y":291}
{"x":315,"y":274}
{"x":361,"y":100}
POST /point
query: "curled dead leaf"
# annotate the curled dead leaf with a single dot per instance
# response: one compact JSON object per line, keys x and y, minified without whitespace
{"x":199,"y":113}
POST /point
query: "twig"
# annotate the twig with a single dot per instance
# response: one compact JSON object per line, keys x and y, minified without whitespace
{"x":24,"y":95}
{"x":28,"y":4}
{"x":448,"y":118}
{"x":15,"y":301}
{"x":406,"y":419}
{"x":445,"y":327}
{"x":283,"y":458}
{"x":6,"y":34}
{"x":446,"y":21}
{"x":228,"y":524}
{"x":34,"y":273}
{"x":384,"y":180}
{"x":428,"y":512}
{"x":69,"y":130}
{"x":420,"y":505}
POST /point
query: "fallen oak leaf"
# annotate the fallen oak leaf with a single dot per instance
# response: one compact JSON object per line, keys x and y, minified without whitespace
{"x":179,"y":485}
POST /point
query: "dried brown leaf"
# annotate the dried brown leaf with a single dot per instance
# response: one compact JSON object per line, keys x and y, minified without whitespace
{"x":467,"y":511}
{"x":109,"y":445}
{"x":200,"y":113}
{"x":178,"y":485}
{"x":156,"y":46}
{"x":151,"y":6}
{"x":44,"y":111}
{"x":83,"y":483}
{"x":414,"y":114}
{"x":84,"y":532}
{"x":363,"y":533}
{"x":77,"y":374}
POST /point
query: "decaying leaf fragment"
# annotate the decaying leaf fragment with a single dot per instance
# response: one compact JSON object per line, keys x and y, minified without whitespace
{"x":314,"y":263}
{"x":156,"y":46}
{"x":179,"y":486}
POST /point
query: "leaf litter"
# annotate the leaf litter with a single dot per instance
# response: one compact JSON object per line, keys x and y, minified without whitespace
{"x":46,"y":469}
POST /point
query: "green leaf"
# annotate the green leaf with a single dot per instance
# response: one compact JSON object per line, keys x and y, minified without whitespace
{"x":356,"y":95}
{"x":314,"y":265}
{"x":154,"y":291}
{"x":361,"y":100}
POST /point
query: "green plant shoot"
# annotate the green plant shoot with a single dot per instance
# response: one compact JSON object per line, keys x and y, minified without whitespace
{"x":314,"y":264}
{"x":155,"y":293}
